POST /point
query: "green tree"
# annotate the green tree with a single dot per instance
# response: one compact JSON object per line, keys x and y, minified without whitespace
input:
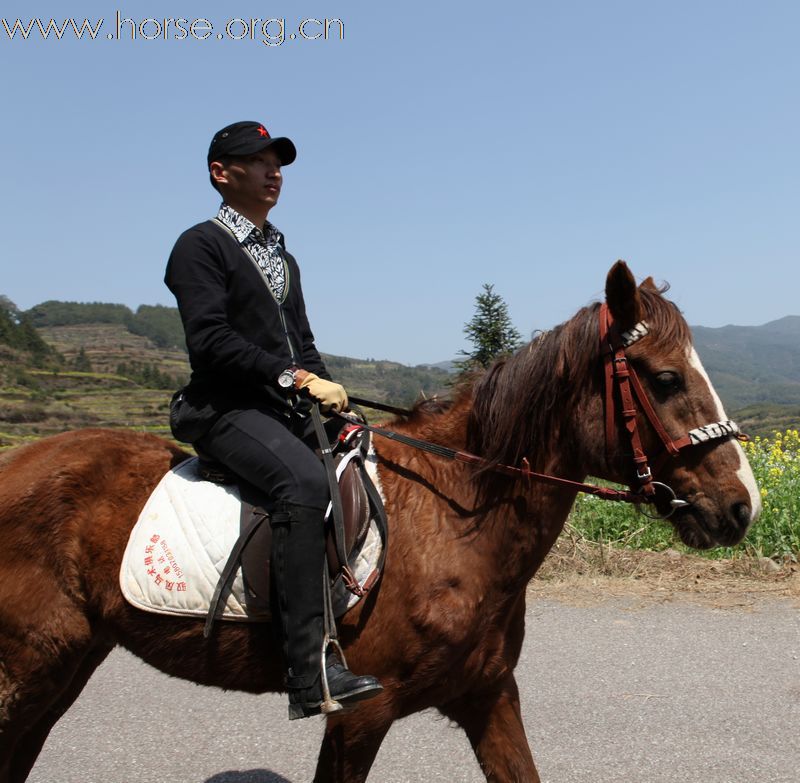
{"x":17,"y":331}
{"x":160,"y":324}
{"x":490,"y":331}
{"x":56,"y":313}
{"x":81,"y":361}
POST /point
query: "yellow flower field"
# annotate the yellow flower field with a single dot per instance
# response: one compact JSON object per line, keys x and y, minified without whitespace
{"x":776,"y":466}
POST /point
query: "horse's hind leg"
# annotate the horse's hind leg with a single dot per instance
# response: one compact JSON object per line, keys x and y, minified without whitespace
{"x":493,"y":723}
{"x":30,"y":744}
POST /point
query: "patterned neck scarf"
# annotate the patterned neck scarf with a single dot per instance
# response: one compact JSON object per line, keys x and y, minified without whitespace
{"x":264,"y":245}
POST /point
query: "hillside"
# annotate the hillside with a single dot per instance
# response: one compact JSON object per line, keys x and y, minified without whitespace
{"x":114,"y":339}
{"x":764,"y":420}
{"x":753,"y":364}
{"x":103,"y":374}
{"x":65,"y":365}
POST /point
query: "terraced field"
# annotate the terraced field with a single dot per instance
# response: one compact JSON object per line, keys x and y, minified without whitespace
{"x":101,"y":383}
{"x":35,"y":403}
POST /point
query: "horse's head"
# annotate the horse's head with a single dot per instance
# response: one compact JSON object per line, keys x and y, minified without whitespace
{"x":566,"y":405}
{"x":707,"y":467}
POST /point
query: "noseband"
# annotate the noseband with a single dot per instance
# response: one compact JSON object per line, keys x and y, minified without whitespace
{"x":620,"y":375}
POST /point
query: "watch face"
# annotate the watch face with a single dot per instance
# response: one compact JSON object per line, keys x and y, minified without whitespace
{"x":286,"y":379}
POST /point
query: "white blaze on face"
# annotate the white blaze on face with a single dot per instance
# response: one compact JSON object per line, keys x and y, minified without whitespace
{"x":744,"y":473}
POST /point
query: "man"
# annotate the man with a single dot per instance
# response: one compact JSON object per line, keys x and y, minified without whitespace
{"x":252,"y":354}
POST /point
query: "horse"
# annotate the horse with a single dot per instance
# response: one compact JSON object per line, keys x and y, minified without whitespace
{"x":445,"y":625}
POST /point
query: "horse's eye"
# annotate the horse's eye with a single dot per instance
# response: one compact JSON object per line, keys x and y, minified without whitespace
{"x":668,"y":380}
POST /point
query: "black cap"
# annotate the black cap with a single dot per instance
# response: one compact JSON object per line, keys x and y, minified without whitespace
{"x":247,"y":138}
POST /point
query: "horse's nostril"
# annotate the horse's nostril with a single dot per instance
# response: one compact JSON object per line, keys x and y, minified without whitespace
{"x":741,"y":514}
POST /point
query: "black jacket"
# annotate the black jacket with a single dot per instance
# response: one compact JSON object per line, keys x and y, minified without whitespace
{"x":239,"y":337}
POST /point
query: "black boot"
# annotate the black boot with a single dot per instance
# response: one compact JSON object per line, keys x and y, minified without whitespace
{"x":298,"y":558}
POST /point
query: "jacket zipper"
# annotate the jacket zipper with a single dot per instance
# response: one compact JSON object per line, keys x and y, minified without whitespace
{"x":286,"y":330}
{"x":282,"y":317}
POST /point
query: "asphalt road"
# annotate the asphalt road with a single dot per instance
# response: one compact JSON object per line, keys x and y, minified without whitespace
{"x":610,"y":693}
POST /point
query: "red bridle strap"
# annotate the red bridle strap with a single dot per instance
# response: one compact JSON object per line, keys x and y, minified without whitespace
{"x":618,"y":371}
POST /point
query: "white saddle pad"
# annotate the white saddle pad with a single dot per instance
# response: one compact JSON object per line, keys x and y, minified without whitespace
{"x":182,"y":540}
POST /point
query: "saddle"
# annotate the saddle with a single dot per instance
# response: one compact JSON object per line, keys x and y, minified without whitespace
{"x":359,"y":505}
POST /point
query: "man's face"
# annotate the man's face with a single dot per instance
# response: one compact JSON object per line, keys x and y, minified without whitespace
{"x":251,"y":180}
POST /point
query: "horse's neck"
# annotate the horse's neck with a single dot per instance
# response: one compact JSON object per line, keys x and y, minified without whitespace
{"x":509,"y":531}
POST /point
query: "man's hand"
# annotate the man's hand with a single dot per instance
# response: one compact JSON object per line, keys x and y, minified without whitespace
{"x":331,"y":396}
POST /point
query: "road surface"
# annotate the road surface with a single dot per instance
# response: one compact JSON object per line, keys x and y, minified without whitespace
{"x":620,"y":692}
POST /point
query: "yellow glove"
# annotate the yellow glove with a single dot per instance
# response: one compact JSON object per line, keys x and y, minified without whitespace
{"x":330,"y":395}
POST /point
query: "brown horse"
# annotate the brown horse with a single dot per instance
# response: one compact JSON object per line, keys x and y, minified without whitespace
{"x":445,"y":627}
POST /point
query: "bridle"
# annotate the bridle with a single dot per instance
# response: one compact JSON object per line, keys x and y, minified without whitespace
{"x":623,"y":390}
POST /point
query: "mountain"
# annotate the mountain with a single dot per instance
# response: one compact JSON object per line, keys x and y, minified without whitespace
{"x":752,"y":365}
{"x":65,"y":365}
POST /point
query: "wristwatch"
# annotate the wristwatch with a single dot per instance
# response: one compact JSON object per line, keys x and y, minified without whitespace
{"x":287,"y":378}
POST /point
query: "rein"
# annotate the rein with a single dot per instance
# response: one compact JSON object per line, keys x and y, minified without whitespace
{"x":620,"y":376}
{"x":523,"y":472}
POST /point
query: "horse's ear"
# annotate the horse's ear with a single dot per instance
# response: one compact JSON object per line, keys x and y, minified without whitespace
{"x":649,"y":284}
{"x":622,"y":296}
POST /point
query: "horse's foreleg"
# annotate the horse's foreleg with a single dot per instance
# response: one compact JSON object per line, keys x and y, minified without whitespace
{"x":43,"y":644}
{"x":30,"y":744}
{"x":493,"y":723}
{"x":351,"y":743}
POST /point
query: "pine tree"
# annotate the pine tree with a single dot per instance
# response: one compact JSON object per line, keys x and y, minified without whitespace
{"x":490,"y":331}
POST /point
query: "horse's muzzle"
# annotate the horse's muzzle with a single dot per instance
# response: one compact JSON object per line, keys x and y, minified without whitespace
{"x":702,"y":525}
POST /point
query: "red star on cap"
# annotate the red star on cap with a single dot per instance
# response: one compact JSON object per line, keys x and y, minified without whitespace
{"x":262,"y":131}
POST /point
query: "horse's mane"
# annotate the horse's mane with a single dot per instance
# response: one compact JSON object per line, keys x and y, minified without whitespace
{"x":522,"y":402}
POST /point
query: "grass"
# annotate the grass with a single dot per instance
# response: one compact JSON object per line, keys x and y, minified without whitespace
{"x":776,"y":466}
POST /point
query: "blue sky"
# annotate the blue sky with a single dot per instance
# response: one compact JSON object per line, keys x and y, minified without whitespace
{"x":441,"y":146}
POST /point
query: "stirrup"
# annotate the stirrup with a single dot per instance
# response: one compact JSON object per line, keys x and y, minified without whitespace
{"x":329,"y":704}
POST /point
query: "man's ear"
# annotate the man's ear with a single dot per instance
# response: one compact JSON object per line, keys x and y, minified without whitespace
{"x":622,"y":296}
{"x":217,"y":172}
